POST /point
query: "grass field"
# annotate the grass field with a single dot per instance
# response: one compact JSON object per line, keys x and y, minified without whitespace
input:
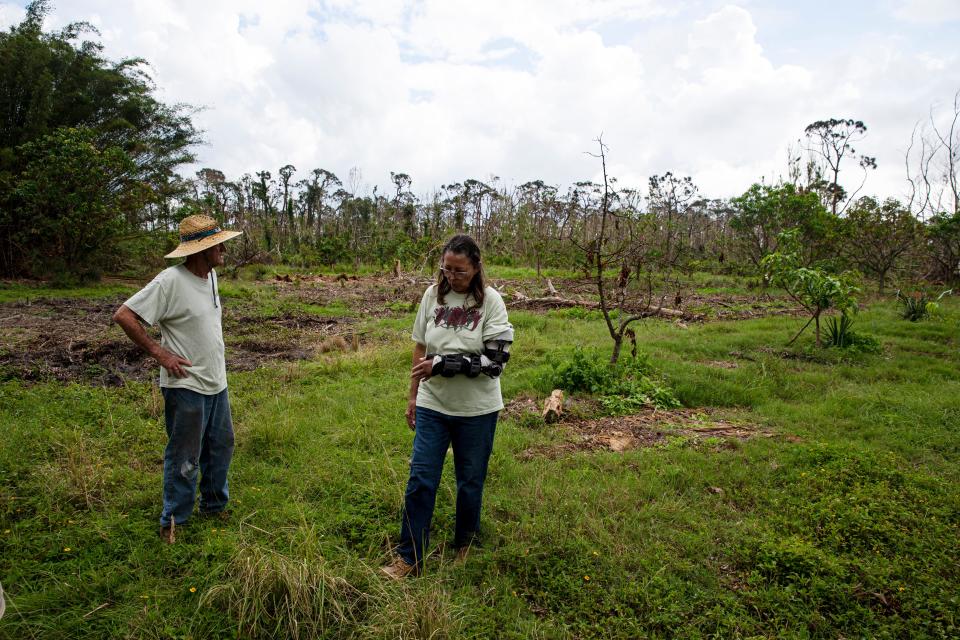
{"x":840,"y":518}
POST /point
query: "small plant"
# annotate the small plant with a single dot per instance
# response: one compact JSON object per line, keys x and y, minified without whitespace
{"x":918,"y":306}
{"x":814,"y":289}
{"x":840,"y":331}
{"x":840,"y":334}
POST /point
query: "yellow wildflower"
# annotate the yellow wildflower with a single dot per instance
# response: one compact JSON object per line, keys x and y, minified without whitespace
{"x":66,"y":548}
{"x":586,"y":578}
{"x":193,"y":589}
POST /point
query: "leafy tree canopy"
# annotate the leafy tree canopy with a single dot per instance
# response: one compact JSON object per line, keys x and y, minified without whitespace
{"x":55,"y":83}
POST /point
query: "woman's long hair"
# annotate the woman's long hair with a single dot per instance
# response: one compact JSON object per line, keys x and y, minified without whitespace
{"x":462,"y":245}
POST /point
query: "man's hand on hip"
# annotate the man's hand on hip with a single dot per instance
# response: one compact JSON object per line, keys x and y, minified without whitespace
{"x":173,"y":363}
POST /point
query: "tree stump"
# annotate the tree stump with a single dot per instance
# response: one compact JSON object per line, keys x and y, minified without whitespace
{"x":551,"y":290}
{"x":553,"y":407}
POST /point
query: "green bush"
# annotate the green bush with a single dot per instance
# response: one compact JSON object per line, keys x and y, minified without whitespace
{"x":918,"y":306}
{"x":840,"y":334}
{"x":624,"y":387}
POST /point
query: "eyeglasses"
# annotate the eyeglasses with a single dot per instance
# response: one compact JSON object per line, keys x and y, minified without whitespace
{"x":450,"y":273}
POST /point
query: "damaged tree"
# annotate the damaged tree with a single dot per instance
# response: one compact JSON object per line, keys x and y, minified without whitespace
{"x":626,"y":248}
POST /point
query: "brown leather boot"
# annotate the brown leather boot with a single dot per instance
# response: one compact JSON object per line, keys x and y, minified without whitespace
{"x":398,"y":569}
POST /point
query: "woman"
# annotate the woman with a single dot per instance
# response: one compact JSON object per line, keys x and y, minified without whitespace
{"x":462,"y":340}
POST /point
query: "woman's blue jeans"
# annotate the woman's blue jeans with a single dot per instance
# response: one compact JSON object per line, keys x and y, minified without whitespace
{"x":200,"y":442}
{"x":472,"y":440}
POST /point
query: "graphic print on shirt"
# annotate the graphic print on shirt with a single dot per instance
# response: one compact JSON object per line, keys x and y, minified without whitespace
{"x":457,"y":318}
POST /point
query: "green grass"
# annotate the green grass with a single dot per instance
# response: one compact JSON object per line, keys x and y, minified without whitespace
{"x":843,"y":523}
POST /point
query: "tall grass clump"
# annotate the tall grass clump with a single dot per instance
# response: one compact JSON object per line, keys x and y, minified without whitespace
{"x":273,"y":595}
{"x":301,"y":594}
{"x":417,"y":611}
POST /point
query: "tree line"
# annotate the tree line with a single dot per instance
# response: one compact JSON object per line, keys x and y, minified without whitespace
{"x":89,"y":182}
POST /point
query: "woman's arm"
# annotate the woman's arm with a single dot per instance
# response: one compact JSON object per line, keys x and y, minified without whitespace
{"x":421,"y":371}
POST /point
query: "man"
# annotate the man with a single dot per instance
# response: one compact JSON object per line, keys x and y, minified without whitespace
{"x":184,"y":302}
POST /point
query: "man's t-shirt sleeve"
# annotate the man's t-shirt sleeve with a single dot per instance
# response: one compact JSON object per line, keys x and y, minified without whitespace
{"x":150,"y":303}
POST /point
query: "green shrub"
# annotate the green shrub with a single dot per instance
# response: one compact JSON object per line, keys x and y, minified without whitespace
{"x":840,"y":334}
{"x":918,"y":306}
{"x":624,"y":387}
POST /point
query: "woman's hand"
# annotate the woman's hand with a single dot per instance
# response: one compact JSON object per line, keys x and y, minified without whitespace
{"x":412,"y":413}
{"x":422,"y":369}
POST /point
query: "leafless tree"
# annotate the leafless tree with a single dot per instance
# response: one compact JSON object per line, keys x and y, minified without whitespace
{"x":932,"y":160}
{"x":614,"y":244}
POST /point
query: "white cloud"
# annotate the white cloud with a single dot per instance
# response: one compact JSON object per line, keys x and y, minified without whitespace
{"x":928,"y":11}
{"x":446,"y":90}
{"x":11,"y":14}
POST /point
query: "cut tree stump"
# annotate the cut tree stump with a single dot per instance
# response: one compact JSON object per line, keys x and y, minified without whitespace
{"x":553,"y":407}
{"x":551,"y":290}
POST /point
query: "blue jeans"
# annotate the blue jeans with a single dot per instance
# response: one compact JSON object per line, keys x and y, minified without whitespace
{"x":200,"y":441}
{"x":472,"y":439}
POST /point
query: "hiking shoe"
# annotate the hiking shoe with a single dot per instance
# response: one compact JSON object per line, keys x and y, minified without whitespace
{"x":462,"y":554}
{"x":398,"y":569}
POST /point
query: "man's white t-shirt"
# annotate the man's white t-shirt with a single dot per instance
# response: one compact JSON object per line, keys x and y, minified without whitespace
{"x":187,"y":310}
{"x":459,"y":326}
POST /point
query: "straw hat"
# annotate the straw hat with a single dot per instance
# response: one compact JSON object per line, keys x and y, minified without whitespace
{"x":198,"y":233}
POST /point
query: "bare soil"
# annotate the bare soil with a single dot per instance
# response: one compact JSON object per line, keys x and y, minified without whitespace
{"x":73,"y":339}
{"x":646,"y":429}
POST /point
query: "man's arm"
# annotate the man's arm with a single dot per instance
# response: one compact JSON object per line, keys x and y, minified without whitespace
{"x":130,"y":323}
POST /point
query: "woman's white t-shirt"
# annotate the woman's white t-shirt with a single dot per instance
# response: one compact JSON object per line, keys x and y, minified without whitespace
{"x":459,"y":326}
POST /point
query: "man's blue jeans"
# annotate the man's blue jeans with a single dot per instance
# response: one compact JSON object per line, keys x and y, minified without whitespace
{"x":200,"y":441}
{"x":472,"y":440}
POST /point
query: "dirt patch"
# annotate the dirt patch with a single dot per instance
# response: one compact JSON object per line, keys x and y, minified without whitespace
{"x":527,"y":410}
{"x":740,"y":307}
{"x":364,"y":297}
{"x":520,"y":408}
{"x":622,"y":433}
{"x":722,"y":364}
{"x":689,"y":306}
{"x":75,"y":340}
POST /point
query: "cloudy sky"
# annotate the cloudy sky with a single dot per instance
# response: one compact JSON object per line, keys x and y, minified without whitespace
{"x":446,"y":90}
